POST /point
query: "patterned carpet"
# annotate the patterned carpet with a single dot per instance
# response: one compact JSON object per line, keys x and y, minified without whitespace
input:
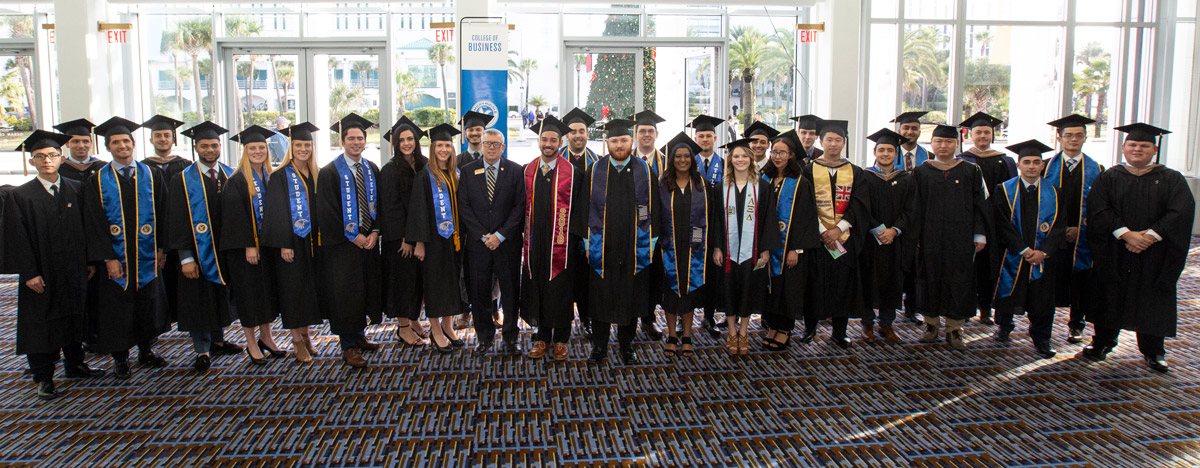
{"x":874,"y":405}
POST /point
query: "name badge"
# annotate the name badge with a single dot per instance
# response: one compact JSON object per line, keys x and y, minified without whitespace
{"x":478,"y":171}
{"x":697,"y":235}
{"x":643,"y":212}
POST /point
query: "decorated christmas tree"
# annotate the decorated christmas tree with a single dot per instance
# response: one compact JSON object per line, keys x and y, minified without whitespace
{"x":610,"y":91}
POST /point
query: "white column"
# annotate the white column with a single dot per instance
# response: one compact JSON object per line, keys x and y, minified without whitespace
{"x":838,"y":67}
{"x":88,"y":80}
{"x":468,"y":8}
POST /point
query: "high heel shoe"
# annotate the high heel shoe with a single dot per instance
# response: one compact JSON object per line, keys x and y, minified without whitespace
{"x":274,"y":354}
{"x":256,"y":361}
{"x":308,"y":344}
{"x":418,"y":342}
{"x":449,"y":348}
{"x":301,"y":351}
{"x":743,"y":345}
{"x":732,"y":345}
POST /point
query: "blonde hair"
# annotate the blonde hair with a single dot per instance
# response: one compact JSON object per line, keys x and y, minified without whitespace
{"x":311,"y":163}
{"x":247,"y":172}
{"x":730,"y":172}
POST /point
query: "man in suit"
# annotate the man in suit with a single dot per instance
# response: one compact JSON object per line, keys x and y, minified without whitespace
{"x":491,"y":207}
{"x":473,"y":125}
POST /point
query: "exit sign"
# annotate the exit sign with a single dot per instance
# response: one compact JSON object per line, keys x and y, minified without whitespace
{"x":807,"y":36}
{"x":117,"y":36}
{"x":443,"y":35}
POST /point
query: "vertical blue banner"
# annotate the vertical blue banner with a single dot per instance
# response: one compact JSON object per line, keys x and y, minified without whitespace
{"x":484,"y":76}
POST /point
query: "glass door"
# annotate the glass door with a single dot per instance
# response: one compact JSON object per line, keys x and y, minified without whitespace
{"x":18,"y":105}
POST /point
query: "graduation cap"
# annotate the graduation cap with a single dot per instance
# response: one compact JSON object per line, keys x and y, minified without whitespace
{"x":1144,"y":132}
{"x":404,"y":123}
{"x":41,"y":139}
{"x":744,"y":142}
{"x":116,"y":126}
{"x":253,"y":134}
{"x":841,"y":127}
{"x":443,"y":132}
{"x":79,"y":127}
{"x":1073,"y":120}
{"x":646,"y":117}
{"x":790,"y":137}
{"x":350,"y":121}
{"x":301,"y":131}
{"x":577,"y":115}
{"x":619,"y":127}
{"x":807,"y":122}
{"x":161,"y":122}
{"x":681,"y":141}
{"x":759,"y":128}
{"x":909,"y":117}
{"x":980,"y":119}
{"x":947,"y":131}
{"x":705,"y":123}
{"x":552,"y":124}
{"x":885,"y":136}
{"x":1029,"y":148}
{"x":475,"y":119}
{"x":204,"y":131}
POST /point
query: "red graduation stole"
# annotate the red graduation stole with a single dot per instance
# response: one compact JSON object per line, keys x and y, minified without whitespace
{"x":563,"y":181}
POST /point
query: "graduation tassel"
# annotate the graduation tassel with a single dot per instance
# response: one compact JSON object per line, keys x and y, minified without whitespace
{"x":25,"y":164}
{"x":95,"y":146}
{"x":1157,"y":148}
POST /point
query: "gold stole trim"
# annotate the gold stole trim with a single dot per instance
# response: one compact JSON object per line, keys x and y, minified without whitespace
{"x":824,"y":191}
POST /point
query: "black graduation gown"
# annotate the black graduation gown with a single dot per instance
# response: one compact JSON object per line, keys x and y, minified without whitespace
{"x":45,"y":238}
{"x":296,"y":282}
{"x":945,"y":211}
{"x":621,"y":296}
{"x":465,"y":158}
{"x":1138,"y":291}
{"x":1036,"y":297}
{"x":996,"y":167}
{"x":742,"y":281}
{"x":884,"y":267}
{"x":202,"y":304}
{"x":170,"y":271}
{"x":545,"y":302}
{"x":348,"y":278}
{"x":835,"y":285}
{"x":125,"y":317}
{"x":79,"y":174}
{"x":788,"y":294}
{"x":442,"y":268}
{"x":402,"y":288}
{"x":1070,"y":203}
{"x":251,"y":287}
{"x":685,"y":302}
{"x":577,"y":258}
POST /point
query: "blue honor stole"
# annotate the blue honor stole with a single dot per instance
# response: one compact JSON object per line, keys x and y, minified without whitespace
{"x":698,"y":247}
{"x":445,"y":207}
{"x":206,"y":246}
{"x":588,"y":155}
{"x":598,"y":213}
{"x":1047,"y":213}
{"x":783,"y":210}
{"x":1091,"y":169}
{"x":110,"y":199}
{"x":256,"y":202}
{"x":657,"y":161}
{"x":298,"y":201}
{"x":712,"y":172}
{"x":350,"y":215}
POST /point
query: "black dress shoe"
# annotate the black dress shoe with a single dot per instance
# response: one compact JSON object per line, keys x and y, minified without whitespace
{"x":121,"y":370}
{"x":449,"y":348}
{"x":808,"y":336}
{"x":1157,"y":363}
{"x":1003,"y":335}
{"x":842,"y":342}
{"x":598,"y":356}
{"x":1043,"y":349}
{"x":711,"y":327}
{"x":226,"y":348}
{"x":586,"y":328}
{"x":1096,"y":353}
{"x":82,"y":370}
{"x":150,"y":359}
{"x":262,"y":361}
{"x":457,"y":343}
{"x":262,"y":347}
{"x":913,"y":317}
{"x":203,"y":362}
{"x":629,"y":358}
{"x":482,"y":349}
{"x":1075,"y":336}
{"x":511,"y":348}
{"x":46,"y":391}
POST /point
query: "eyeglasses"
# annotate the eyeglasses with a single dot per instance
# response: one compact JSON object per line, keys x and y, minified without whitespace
{"x":40,"y":157}
{"x":492,"y":144}
{"x":1074,"y":136}
{"x":781,"y":153}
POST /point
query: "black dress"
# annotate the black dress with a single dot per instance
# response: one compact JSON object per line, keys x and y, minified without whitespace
{"x":296,"y":282}
{"x":884,"y":267}
{"x":745,"y":287}
{"x":44,"y":237}
{"x":442,"y":267}
{"x":251,"y":287}
{"x":402,"y":282}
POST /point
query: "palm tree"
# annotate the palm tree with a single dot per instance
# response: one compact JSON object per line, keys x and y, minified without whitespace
{"x":406,"y":89}
{"x":538,"y":101}
{"x":580,"y":62}
{"x":205,"y":67}
{"x":22,"y":26}
{"x":985,"y":84}
{"x":171,"y":45}
{"x":343,"y":98}
{"x":442,"y":54}
{"x":285,"y":75}
{"x":1094,"y":80}
{"x":778,"y":64}
{"x":922,"y":66}
{"x":526,"y":67}
{"x":363,"y":69}
{"x":747,"y":51}
{"x":11,"y":90}
{"x":195,"y":37}
{"x":984,"y":38}
{"x":513,"y":72}
{"x":245,"y":71}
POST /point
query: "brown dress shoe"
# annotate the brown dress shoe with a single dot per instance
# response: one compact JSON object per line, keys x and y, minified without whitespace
{"x":868,"y":333}
{"x":889,"y":334}
{"x":365,"y":345}
{"x":560,"y":351}
{"x":353,"y":358}
{"x":538,"y":350}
